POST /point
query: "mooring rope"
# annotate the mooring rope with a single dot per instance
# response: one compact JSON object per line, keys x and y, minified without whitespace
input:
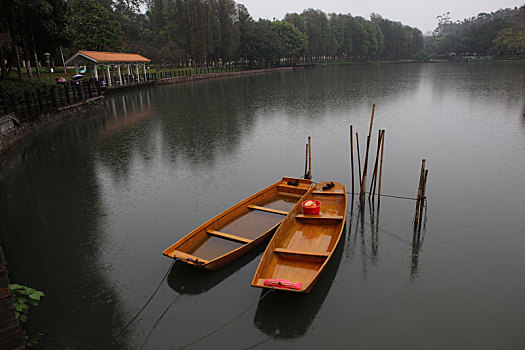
{"x":376,"y":194}
{"x":149,"y":300}
{"x":227,"y":322}
{"x":145,"y":304}
{"x":158,"y":321}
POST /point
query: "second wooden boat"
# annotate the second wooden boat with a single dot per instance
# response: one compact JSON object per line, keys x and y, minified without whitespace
{"x":241,"y":228}
{"x":303,"y":244}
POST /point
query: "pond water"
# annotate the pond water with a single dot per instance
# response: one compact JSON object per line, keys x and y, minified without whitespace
{"x":89,"y":205}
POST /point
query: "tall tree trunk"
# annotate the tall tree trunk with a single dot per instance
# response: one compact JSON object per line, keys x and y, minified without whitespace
{"x":3,"y":67}
{"x":15,"y":49}
{"x":27,"y":60}
{"x":18,"y":62}
{"x":34,"y":53}
{"x":63,"y":62}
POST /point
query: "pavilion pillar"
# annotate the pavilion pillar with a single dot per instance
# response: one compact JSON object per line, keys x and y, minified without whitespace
{"x":109,"y":75}
{"x":76,"y":68}
{"x":95,"y":71}
{"x":119,"y":75}
{"x":138,"y":73}
{"x":145,"y":77}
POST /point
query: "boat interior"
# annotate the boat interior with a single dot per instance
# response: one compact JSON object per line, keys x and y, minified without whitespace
{"x":306,"y":241}
{"x":237,"y":228}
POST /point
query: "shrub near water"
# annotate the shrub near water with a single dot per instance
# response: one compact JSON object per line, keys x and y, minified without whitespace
{"x":15,"y":86}
{"x":23,"y":298}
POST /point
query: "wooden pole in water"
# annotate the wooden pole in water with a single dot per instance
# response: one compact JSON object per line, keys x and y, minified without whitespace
{"x":381,"y":165}
{"x":374,"y":173}
{"x":419,"y":191}
{"x":365,"y":167}
{"x":309,"y":157}
{"x":358,"y":156}
{"x":363,"y":180}
{"x":423,"y":199}
{"x":306,"y":163}
{"x":372,"y":120}
{"x":352,"y":156}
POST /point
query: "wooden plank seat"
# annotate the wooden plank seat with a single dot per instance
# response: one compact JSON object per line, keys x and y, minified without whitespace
{"x":329,"y":193}
{"x":269,"y":210}
{"x":228,"y":236}
{"x":288,"y":194}
{"x":301,"y":254}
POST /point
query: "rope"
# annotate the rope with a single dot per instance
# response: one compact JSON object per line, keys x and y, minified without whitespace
{"x":143,"y":306}
{"x":149,"y":300}
{"x":158,"y":321}
{"x":226,"y":323}
{"x":387,"y":195}
{"x":382,"y":195}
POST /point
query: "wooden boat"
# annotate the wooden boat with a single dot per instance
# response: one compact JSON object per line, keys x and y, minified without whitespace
{"x":302,"y":246}
{"x":240,"y":228}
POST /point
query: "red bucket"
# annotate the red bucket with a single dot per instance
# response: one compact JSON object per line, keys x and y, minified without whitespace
{"x":313,"y":209}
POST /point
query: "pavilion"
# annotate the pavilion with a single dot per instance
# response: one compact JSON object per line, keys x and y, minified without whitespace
{"x":110,"y":60}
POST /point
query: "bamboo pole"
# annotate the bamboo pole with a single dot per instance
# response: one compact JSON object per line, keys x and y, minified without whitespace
{"x":374,"y":173}
{"x":423,"y":199}
{"x":363,"y":180}
{"x":352,"y":156}
{"x":309,"y":157}
{"x":381,"y":165}
{"x":365,"y":167}
{"x":306,"y":163}
{"x":358,"y":156}
{"x":419,"y":190}
{"x":372,"y":120}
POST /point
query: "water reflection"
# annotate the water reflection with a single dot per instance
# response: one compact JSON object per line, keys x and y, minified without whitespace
{"x":203,"y":120}
{"x":479,"y":81}
{"x":417,"y":244}
{"x":51,"y":231}
{"x":186,"y":279}
{"x":289,"y":315}
{"x":366,"y":235}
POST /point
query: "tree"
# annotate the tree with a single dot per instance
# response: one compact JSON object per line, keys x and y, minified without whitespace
{"x":93,"y":27}
{"x":35,"y":26}
{"x":291,"y":43}
{"x":510,"y":40}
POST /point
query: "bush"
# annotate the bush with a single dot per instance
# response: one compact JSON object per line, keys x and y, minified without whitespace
{"x":422,"y":56}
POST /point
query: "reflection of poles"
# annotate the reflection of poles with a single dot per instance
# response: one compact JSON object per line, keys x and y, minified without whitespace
{"x":374,"y":244}
{"x":414,"y":261}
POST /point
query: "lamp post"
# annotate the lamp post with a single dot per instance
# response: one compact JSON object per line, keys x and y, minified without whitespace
{"x":46,"y":55}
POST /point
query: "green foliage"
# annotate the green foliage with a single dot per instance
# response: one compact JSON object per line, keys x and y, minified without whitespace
{"x":19,"y":86}
{"x":93,"y":27}
{"x":485,"y":34}
{"x":422,"y":56}
{"x":23,"y":298}
{"x":511,"y":40}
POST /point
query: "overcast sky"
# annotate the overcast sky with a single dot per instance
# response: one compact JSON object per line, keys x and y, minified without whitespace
{"x":415,"y":13}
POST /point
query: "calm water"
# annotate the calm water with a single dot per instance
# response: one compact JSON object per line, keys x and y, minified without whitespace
{"x":89,"y":205}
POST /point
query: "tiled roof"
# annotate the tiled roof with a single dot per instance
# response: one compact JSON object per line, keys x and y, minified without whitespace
{"x":110,"y":57}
